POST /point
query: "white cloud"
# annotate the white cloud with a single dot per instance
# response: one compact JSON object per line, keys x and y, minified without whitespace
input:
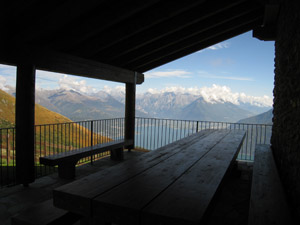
{"x":112,"y":90}
{"x":216,"y":46}
{"x":173,"y":73}
{"x":217,"y":93}
{"x":219,"y":46}
{"x":153,"y":91}
{"x":73,"y":83}
{"x":204,"y":74}
{"x":118,"y":92}
{"x":2,"y":83}
{"x":258,"y":101}
{"x":9,"y":74}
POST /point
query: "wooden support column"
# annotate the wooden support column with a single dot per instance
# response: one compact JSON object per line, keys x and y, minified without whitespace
{"x":25,"y":97}
{"x":130,"y":114}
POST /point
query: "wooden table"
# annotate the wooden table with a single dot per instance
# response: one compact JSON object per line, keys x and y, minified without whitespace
{"x":172,"y":185}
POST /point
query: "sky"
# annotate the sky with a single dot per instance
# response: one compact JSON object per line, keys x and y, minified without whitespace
{"x":241,"y":65}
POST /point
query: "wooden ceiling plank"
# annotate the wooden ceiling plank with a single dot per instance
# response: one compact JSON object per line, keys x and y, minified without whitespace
{"x":165,"y":28}
{"x":139,"y":22}
{"x":16,"y":18}
{"x":197,"y":47}
{"x":203,"y":36}
{"x":67,"y":12}
{"x":13,"y":8}
{"x":68,"y":64}
{"x":180,"y":35}
{"x":110,"y":14}
{"x":267,"y":31}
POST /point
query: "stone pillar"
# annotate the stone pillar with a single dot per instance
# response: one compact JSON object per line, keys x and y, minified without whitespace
{"x":25,"y":96}
{"x":286,"y":122}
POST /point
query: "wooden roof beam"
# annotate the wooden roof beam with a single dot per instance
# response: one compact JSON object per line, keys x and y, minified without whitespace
{"x":198,"y":46}
{"x":194,"y":29}
{"x":196,"y":39}
{"x":139,"y":22}
{"x":60,"y":17}
{"x":109,"y":14}
{"x":168,"y":27}
{"x":267,"y":32}
{"x":44,"y":59}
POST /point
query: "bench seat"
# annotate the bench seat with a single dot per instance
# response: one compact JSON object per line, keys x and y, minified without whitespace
{"x":268,"y":203}
{"x":44,"y":214}
{"x":67,"y":161}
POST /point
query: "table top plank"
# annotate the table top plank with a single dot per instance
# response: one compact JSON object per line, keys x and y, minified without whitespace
{"x":77,"y":196}
{"x":186,"y":200}
{"x":123,"y":203}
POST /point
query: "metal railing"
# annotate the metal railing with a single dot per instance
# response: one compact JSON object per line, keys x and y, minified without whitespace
{"x":154,"y":133}
{"x":7,"y":156}
{"x":57,"y":138}
{"x":62,"y":137}
{"x":150,"y":134}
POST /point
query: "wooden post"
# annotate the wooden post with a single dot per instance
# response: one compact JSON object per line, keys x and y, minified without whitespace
{"x":25,"y":96}
{"x":130,"y":114}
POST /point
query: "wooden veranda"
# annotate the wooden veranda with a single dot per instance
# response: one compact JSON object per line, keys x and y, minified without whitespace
{"x":111,"y":40}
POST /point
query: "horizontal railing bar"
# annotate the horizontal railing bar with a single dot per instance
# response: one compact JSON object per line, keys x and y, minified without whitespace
{"x":207,"y":121}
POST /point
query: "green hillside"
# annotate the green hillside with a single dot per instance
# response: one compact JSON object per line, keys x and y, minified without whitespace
{"x":42,"y":115}
{"x":49,"y":139}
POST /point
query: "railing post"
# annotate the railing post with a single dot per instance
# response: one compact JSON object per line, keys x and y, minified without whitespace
{"x":92,"y":138}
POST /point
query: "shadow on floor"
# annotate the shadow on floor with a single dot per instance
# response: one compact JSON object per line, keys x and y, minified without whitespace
{"x":231,"y":205}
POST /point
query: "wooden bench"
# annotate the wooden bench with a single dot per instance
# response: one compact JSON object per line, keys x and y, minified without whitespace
{"x":44,"y":214}
{"x":267,"y":202}
{"x":172,"y":185}
{"x":67,"y":161}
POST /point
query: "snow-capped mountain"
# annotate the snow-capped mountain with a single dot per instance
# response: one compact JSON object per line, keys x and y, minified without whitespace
{"x":79,"y":106}
{"x":163,"y":105}
{"x":109,"y":103}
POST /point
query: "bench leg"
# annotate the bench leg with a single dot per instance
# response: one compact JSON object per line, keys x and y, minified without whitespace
{"x":116,"y":154}
{"x":66,"y":170}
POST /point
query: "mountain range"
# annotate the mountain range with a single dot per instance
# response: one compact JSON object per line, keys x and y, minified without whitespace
{"x":77,"y":106}
{"x":80,"y":106}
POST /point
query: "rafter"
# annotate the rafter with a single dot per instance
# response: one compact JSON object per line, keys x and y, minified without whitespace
{"x":154,"y":15}
{"x":130,"y":34}
{"x":203,"y":36}
{"x":198,"y":46}
{"x":108,"y":15}
{"x":189,"y":31}
{"x":167,"y":28}
{"x":57,"y":19}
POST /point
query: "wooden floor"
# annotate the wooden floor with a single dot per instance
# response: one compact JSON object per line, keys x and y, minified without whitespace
{"x":231,"y":206}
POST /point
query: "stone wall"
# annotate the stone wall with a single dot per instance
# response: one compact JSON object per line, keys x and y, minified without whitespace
{"x":286,"y":122}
